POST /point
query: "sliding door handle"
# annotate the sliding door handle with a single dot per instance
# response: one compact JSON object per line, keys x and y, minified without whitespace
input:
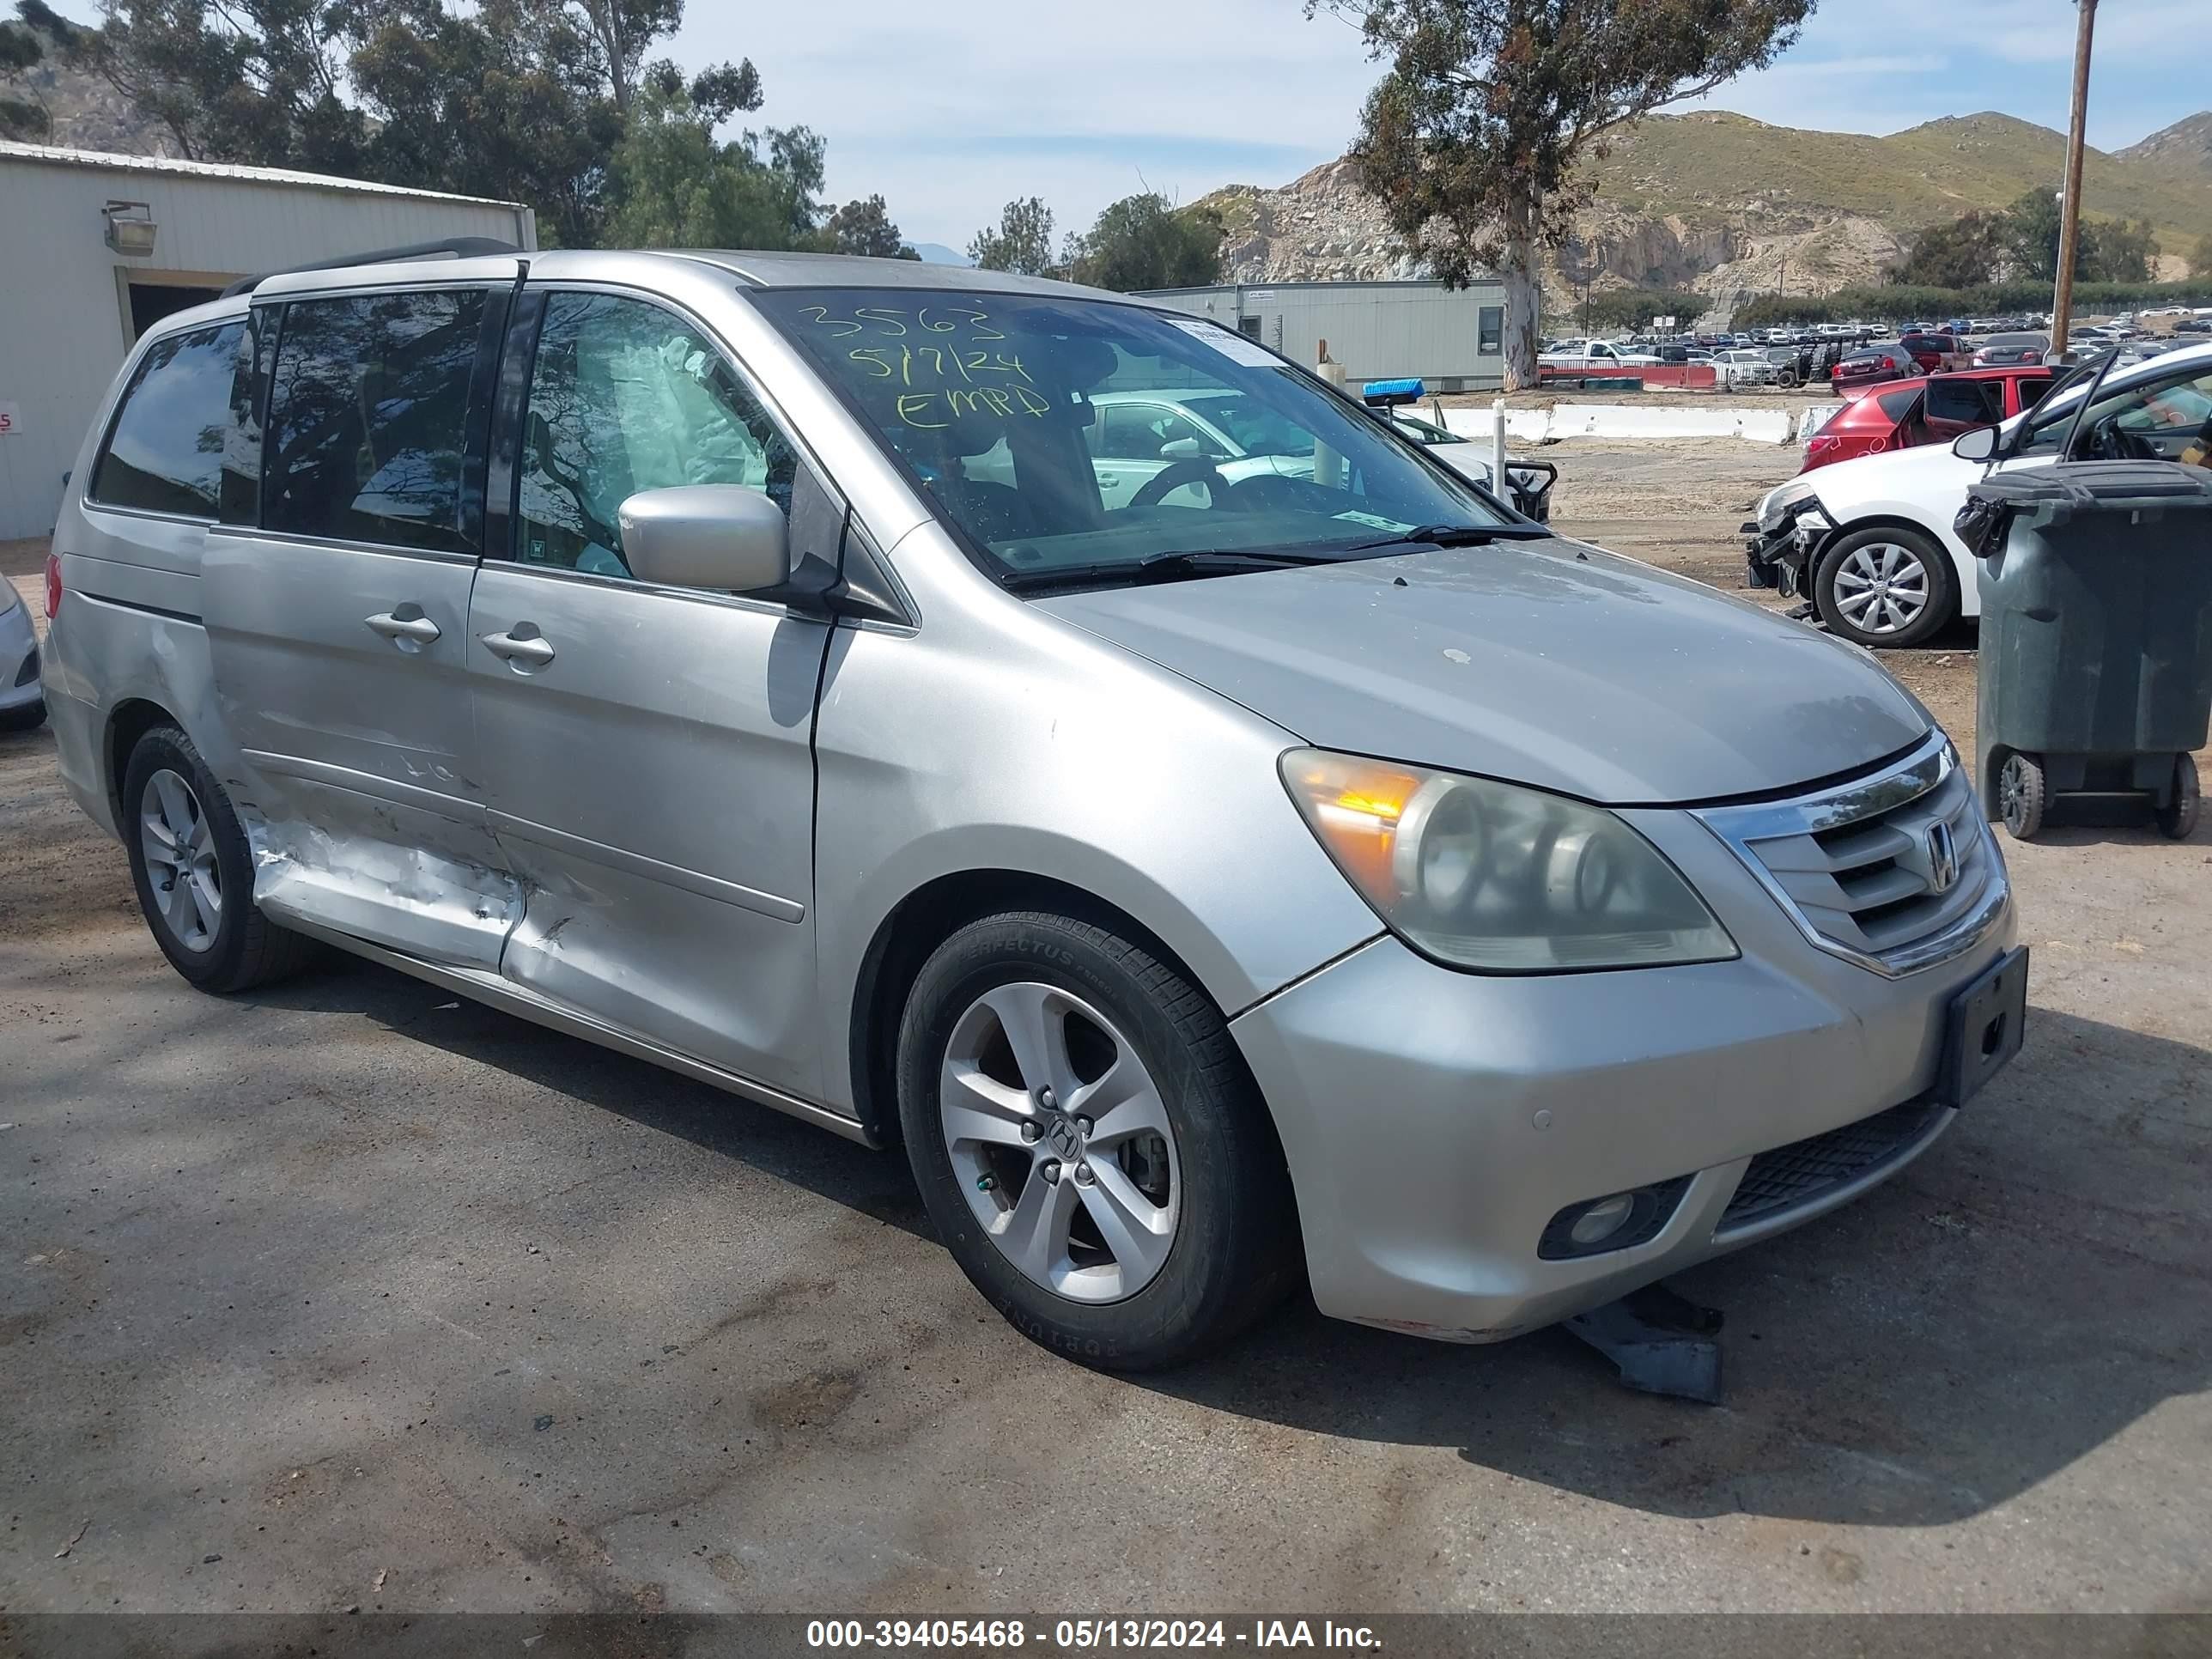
{"x":532,"y":648}
{"x":419,"y":628}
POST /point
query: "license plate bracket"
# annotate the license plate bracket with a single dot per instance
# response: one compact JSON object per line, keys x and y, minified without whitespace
{"x":1983,"y":1027}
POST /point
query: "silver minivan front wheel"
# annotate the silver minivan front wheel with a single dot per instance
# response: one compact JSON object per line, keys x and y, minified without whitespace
{"x":1089,"y":1142}
{"x":1060,"y":1142}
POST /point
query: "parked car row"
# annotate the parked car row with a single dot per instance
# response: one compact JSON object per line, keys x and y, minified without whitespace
{"x":1871,"y":540}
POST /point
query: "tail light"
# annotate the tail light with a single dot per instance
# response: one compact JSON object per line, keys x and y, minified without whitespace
{"x":1889,"y":362}
{"x":53,"y":584}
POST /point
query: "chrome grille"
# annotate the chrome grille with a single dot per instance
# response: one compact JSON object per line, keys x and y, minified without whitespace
{"x":1862,"y":866}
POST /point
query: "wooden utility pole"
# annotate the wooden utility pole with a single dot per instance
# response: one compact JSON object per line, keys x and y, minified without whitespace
{"x":2069,"y":206}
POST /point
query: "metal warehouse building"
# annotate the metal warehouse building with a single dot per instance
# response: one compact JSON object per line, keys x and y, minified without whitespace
{"x":96,"y":248}
{"x":1453,"y":338}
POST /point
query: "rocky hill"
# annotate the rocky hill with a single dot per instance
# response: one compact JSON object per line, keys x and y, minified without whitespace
{"x":2183,"y":150}
{"x":84,"y":112}
{"x":1730,"y":207}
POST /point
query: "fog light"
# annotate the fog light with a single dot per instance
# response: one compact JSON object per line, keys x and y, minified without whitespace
{"x":1602,"y":1219}
{"x":1620,"y":1222}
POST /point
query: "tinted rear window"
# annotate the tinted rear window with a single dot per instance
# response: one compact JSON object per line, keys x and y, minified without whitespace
{"x":165,"y":453}
{"x":368,"y":413}
{"x":1898,"y":405}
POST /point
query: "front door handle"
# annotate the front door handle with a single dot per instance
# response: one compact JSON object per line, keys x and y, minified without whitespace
{"x":532,"y":648}
{"x":418,"y":628}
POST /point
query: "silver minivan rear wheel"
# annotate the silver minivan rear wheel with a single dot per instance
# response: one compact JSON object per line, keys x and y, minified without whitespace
{"x":194,"y":871}
{"x":1089,"y":1142}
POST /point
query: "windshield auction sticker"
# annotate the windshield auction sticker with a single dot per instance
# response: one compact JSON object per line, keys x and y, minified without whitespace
{"x":1229,"y":343}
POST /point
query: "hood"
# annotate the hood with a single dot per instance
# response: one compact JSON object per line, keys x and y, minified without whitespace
{"x":1542,"y":663}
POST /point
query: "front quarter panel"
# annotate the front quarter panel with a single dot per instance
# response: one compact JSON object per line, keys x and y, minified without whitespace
{"x":996,"y":739}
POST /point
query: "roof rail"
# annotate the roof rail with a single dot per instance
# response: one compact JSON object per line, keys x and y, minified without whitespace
{"x":457,"y":247}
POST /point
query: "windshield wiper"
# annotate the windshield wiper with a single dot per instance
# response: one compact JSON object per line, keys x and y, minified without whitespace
{"x":1456,"y":535}
{"x":1177,"y":565}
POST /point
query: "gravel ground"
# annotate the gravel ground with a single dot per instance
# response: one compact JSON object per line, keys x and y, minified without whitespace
{"x":350,"y":1294}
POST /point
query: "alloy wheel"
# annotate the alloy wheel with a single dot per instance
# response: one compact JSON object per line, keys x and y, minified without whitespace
{"x":1881,"y":588}
{"x":178,"y":842}
{"x":1060,"y":1142}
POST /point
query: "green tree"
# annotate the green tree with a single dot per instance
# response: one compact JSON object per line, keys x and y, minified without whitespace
{"x":1021,"y":242}
{"x":1474,"y":138}
{"x":1963,"y":253}
{"x":864,"y":226}
{"x":2032,"y":228}
{"x":2199,"y":259}
{"x":677,"y":185}
{"x":2113,"y":251}
{"x":1142,"y":242}
{"x":253,"y":81}
{"x":500,"y":101}
{"x":531,"y":100}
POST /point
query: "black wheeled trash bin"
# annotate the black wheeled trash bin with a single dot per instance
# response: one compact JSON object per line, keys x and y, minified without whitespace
{"x":2096,"y":647}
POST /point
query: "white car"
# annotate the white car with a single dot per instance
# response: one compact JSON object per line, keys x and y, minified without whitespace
{"x":1529,"y":483}
{"x":1134,"y":437}
{"x":1738,"y":366}
{"x":1870,"y":541}
{"x":1594,"y":354}
{"x":22,"y":701}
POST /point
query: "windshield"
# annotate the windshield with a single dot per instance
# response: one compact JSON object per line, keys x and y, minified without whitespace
{"x":1083,"y":436}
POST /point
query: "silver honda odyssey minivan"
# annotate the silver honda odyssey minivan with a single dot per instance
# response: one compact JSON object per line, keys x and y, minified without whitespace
{"x":876,"y":689}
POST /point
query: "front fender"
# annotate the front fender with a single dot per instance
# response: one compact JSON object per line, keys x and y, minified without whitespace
{"x":1044,"y":752}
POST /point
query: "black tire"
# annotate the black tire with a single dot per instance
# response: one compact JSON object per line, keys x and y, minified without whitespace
{"x":2178,"y":815}
{"x":2021,"y":795}
{"x":246,"y":948}
{"x":1942,"y":605}
{"x":29,"y":718}
{"x":1235,"y":1252}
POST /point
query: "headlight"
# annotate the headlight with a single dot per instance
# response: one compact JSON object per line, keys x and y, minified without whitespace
{"x":1488,"y":876}
{"x":1783,"y":497}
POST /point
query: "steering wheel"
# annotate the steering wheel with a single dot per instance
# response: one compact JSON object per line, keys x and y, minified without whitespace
{"x":2109,"y":441}
{"x":1174,"y":476}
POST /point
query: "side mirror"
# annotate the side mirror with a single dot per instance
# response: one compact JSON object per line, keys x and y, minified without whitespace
{"x":1980,"y":444}
{"x":722,"y":537}
{"x":1182,"y":449}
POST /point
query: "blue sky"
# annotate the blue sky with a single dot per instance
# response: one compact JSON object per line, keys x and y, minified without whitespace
{"x":949,"y":110}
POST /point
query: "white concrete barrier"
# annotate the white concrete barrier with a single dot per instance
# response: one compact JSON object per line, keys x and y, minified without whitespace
{"x":1764,"y":426}
{"x":1816,"y":417}
{"x":1526,"y":426}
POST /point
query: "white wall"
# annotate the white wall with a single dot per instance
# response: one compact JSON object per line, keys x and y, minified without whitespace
{"x":64,"y":324}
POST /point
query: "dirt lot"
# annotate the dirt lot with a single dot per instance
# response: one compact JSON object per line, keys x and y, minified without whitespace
{"x":350,"y":1294}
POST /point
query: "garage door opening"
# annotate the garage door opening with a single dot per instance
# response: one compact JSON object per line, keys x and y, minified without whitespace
{"x":152,"y":301}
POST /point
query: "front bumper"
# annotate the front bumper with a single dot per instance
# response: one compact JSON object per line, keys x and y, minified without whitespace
{"x":1783,"y":556}
{"x":1435,"y":1122}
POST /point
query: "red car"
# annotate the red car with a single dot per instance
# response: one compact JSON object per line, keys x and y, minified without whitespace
{"x":1933,"y":409}
{"x":1897,"y":359}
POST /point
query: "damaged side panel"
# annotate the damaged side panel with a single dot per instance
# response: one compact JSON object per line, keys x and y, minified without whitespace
{"x":721,"y":981}
{"x":355,"y":774}
{"x":427,"y":885}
